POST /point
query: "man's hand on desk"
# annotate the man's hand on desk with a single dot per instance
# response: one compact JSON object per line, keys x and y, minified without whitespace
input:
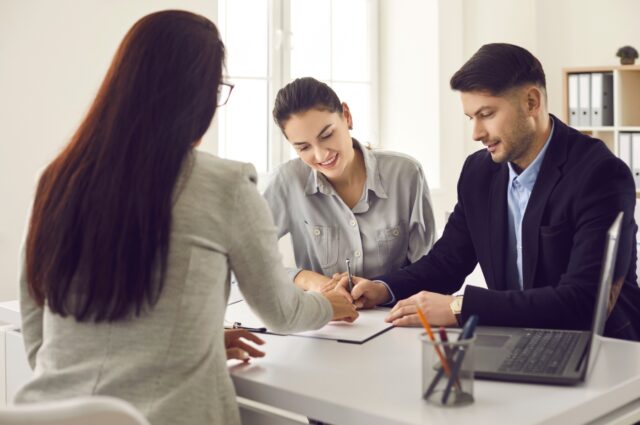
{"x":365,"y":293}
{"x":237,"y":348}
{"x":436,"y":307}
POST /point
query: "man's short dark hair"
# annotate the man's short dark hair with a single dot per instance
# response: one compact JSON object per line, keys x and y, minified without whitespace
{"x":497,"y":68}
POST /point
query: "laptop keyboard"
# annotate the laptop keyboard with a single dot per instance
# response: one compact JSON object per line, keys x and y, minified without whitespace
{"x":541,"y":352}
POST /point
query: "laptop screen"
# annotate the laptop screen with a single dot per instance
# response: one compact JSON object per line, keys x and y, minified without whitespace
{"x":606,"y":297}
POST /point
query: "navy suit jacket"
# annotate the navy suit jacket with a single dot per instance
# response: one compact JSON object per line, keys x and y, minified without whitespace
{"x":580,"y":189}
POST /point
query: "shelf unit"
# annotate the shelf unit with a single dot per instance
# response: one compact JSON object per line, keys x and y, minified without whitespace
{"x":626,"y":103}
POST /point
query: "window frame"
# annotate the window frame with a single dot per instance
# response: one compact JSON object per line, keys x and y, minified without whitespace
{"x":278,"y":75}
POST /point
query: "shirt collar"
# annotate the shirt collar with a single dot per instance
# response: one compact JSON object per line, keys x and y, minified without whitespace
{"x":317,"y":182}
{"x":529,"y":176}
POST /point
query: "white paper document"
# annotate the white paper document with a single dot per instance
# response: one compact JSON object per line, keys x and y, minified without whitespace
{"x":368,"y":325}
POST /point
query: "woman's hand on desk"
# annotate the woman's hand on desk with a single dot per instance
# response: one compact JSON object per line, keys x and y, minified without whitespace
{"x":237,"y":348}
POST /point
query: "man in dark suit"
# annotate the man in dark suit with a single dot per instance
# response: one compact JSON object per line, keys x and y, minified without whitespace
{"x":533,"y":209}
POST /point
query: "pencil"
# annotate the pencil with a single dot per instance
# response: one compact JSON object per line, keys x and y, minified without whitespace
{"x":427,"y":327}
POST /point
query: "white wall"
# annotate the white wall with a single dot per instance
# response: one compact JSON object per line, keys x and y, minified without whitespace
{"x":53,"y":56}
{"x":408,"y":92}
{"x":583,"y":33}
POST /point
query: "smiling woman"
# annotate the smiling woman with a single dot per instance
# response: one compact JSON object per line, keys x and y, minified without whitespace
{"x":340,"y":200}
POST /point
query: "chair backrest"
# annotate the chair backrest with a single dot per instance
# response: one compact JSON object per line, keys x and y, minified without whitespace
{"x":99,"y":410}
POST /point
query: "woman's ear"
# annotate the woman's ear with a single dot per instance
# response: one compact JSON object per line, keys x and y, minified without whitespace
{"x":346,"y":114}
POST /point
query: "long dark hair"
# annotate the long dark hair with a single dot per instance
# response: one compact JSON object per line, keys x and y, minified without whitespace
{"x":99,"y":233}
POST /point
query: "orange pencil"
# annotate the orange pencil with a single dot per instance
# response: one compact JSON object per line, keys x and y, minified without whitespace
{"x":427,"y":327}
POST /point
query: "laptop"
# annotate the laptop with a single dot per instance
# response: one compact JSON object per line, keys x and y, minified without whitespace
{"x":549,"y":356}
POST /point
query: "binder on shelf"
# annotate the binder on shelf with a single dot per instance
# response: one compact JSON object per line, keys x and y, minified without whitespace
{"x":635,"y":156}
{"x":601,"y":99}
{"x":607,"y":98}
{"x":573,"y":100}
{"x":624,"y":149}
{"x":584,"y":99}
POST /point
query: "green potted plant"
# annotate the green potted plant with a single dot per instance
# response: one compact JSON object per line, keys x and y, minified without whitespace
{"x":627,"y":55}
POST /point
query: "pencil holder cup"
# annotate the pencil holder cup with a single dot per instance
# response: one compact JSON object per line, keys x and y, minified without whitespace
{"x":447,"y":369}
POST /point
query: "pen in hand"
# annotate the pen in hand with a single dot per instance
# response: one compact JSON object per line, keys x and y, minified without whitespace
{"x":348,"y":261}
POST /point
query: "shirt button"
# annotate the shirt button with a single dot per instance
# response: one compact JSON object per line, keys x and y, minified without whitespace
{"x":396,"y":232}
{"x":352,"y":223}
{"x":316,"y":232}
{"x":357,"y":254}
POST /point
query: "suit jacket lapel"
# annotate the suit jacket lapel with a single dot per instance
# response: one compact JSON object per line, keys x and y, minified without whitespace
{"x":497,"y":212}
{"x":550,"y":173}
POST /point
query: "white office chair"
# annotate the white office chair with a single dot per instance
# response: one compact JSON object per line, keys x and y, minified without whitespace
{"x":97,"y":410}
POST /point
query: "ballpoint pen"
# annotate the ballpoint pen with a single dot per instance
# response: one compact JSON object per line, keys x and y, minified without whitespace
{"x":467,"y":333}
{"x":348,"y":261}
{"x":238,"y":325}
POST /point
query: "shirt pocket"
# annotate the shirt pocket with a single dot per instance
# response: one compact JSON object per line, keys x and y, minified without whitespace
{"x":325,"y":244}
{"x":393,"y":244}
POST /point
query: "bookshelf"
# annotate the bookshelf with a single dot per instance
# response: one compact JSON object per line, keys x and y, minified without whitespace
{"x":626,"y":103}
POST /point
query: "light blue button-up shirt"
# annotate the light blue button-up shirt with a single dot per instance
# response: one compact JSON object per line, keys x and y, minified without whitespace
{"x":391,"y":226}
{"x":519,"y":190}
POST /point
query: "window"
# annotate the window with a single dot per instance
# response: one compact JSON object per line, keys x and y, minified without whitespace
{"x":278,"y":41}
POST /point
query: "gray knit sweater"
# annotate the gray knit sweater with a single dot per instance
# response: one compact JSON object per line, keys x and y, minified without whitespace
{"x":170,"y":362}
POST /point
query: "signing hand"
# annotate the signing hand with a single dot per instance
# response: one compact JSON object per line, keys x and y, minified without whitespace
{"x":434,"y":306}
{"x":343,"y":308}
{"x":237,"y":348}
{"x":365,"y":293}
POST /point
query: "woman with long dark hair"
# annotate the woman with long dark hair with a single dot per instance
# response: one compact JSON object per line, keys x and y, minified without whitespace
{"x":133,"y":236}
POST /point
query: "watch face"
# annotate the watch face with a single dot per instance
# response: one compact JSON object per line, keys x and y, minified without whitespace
{"x":456,"y":305}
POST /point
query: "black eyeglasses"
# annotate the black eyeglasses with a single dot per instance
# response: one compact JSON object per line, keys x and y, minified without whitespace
{"x":224,"y":91}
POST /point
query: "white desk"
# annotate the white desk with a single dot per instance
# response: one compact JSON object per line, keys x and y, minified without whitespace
{"x":379,"y":383}
{"x":10,"y":313}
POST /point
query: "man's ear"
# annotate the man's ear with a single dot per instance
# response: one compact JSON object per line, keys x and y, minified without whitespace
{"x":534,"y":99}
{"x":346,"y":113}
